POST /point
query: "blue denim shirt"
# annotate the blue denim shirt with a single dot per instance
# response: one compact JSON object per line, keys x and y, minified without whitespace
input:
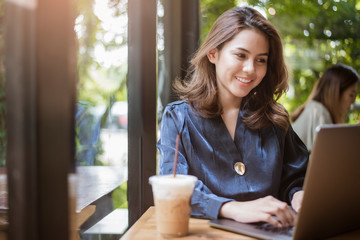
{"x":275,"y":160}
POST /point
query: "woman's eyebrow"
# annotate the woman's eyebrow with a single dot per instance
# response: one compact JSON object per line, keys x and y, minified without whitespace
{"x":245,"y":50}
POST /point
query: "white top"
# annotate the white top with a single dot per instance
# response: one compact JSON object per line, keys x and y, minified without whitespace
{"x":314,"y":114}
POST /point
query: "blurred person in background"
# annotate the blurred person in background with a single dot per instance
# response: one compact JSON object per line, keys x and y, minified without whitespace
{"x":328,"y":103}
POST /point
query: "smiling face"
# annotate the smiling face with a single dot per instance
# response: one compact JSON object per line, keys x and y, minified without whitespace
{"x":240,"y":65}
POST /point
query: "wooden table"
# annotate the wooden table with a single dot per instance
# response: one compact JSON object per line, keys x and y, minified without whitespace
{"x":94,"y":182}
{"x":145,"y":228}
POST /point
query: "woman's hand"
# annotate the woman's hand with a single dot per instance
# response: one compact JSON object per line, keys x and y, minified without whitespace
{"x":297,"y":200}
{"x":260,"y":210}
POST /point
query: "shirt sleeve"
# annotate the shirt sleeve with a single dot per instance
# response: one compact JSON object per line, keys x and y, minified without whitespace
{"x":295,"y":161}
{"x":204,"y":204}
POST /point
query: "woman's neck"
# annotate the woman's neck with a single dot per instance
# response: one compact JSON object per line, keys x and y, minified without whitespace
{"x":230,"y":107}
{"x":229,"y":103}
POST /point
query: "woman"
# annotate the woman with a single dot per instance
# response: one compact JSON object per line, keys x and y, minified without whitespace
{"x":328,"y":103}
{"x":234,"y":136}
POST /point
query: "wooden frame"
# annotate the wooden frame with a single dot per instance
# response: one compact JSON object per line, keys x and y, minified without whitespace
{"x":142,"y":83}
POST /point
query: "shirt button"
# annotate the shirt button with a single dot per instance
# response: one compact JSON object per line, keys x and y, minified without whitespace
{"x":239,"y":168}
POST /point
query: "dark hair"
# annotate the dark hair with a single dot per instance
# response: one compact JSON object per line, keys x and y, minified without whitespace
{"x":329,"y":88}
{"x":199,"y":87}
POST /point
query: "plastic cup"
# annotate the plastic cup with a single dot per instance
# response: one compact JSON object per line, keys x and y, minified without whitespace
{"x":172,"y":203}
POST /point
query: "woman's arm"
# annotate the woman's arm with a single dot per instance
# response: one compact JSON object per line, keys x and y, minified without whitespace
{"x":295,"y":161}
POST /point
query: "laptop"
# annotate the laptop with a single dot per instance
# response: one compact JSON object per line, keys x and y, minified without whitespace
{"x":331,"y":203}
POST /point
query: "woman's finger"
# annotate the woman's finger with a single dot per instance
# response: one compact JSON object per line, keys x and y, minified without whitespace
{"x":281,"y":211}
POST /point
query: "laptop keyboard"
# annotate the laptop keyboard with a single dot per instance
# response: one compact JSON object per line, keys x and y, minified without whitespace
{"x":287,"y":231}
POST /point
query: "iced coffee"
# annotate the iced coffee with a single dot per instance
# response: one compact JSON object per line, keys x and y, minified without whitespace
{"x":172,"y":203}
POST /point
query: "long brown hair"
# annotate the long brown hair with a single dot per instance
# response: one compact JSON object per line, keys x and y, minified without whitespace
{"x":329,"y":88}
{"x":199,"y":87}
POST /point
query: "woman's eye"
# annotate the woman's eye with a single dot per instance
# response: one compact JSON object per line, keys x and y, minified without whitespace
{"x":241,"y":55}
{"x":261,"y":60}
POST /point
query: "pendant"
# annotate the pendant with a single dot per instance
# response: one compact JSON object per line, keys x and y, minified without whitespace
{"x":239,"y":168}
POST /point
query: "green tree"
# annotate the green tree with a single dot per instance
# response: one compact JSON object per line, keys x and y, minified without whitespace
{"x":99,"y":83}
{"x":210,"y":10}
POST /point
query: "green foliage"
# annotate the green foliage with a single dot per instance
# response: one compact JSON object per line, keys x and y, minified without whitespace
{"x":119,"y":196}
{"x":210,"y":11}
{"x":97,"y":82}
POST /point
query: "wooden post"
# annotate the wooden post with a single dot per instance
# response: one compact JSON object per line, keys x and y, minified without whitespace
{"x":142,"y":82}
{"x":40,"y":95}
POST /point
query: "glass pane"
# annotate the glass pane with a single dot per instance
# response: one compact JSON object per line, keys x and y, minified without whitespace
{"x":101,"y":114}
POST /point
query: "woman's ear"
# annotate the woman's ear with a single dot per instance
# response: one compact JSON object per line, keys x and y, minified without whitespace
{"x":212,"y":55}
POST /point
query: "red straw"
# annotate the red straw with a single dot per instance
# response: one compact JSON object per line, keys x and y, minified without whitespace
{"x":176,"y":153}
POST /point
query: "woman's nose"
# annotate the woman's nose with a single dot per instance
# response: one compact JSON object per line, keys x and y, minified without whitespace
{"x":249,"y":66}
